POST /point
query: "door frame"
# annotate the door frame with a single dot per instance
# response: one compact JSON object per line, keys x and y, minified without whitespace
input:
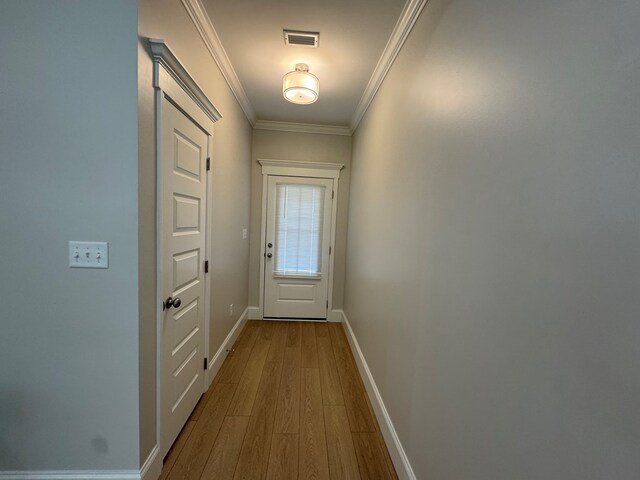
{"x":296,"y":168}
{"x":173,"y":82}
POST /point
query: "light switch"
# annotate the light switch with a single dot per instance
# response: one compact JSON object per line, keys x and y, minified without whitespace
{"x":88,"y":254}
{"x":244,"y":233}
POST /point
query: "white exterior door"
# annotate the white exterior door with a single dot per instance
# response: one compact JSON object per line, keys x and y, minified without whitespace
{"x":297,"y":242}
{"x":183,"y":205}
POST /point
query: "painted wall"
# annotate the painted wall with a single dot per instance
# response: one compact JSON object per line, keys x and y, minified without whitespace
{"x":306,"y":147}
{"x":168,"y":19}
{"x":493,"y":257}
{"x":68,"y":171}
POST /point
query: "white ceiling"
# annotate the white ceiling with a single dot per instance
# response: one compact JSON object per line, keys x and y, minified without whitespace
{"x":353,"y":35}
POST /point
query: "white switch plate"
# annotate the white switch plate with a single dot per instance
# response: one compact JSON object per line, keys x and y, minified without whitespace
{"x":88,"y":254}
{"x":244,"y":233}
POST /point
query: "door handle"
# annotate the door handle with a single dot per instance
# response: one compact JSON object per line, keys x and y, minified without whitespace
{"x":269,"y":245}
{"x":269,"y":255}
{"x":171,"y":302}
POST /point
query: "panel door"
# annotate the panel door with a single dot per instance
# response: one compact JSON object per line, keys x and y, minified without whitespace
{"x":298,"y":235}
{"x":183,"y":198}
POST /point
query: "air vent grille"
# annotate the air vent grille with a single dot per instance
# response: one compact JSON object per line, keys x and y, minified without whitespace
{"x":301,"y":39}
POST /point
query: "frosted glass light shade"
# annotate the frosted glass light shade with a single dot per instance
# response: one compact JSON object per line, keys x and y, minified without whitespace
{"x":300,"y":86}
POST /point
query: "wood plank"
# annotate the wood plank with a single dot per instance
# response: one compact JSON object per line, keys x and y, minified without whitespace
{"x":309,"y":346}
{"x":330,"y":380}
{"x":322,"y":329}
{"x":252,"y":463}
{"x":174,"y":452}
{"x":193,"y":457}
{"x":387,"y":456}
{"x":226,"y":450}
{"x":287,"y":418}
{"x":283,"y":458}
{"x":371,"y":457}
{"x":293,"y":334}
{"x":278,"y":342}
{"x":360,"y":416}
{"x":242,"y":402}
{"x":267,"y":327}
{"x":195,"y":415}
{"x":313,"y":461}
{"x":385,"y":450}
{"x":343,"y":462}
{"x":235,"y":362}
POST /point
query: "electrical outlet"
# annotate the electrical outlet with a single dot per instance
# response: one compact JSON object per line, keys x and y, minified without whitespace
{"x":231,"y":310}
{"x":244,"y":233}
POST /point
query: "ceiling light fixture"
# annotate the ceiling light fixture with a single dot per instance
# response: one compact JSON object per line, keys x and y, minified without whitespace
{"x":300,"y":86}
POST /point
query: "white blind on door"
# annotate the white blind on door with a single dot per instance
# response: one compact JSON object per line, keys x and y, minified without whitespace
{"x":298,"y":239}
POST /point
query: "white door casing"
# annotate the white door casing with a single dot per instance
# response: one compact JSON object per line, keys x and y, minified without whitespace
{"x":184,"y":132}
{"x":299,"y":294}
{"x":297,"y":288}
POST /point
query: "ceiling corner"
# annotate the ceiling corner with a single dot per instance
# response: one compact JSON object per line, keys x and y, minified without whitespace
{"x":408,"y":17}
{"x":203,"y":24}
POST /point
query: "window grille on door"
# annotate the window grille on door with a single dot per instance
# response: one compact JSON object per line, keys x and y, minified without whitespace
{"x":299,"y":218}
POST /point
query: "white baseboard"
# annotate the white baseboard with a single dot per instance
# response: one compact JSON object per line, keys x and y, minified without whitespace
{"x":150,"y":471}
{"x":152,"y":467}
{"x":335,"y":316}
{"x":221,"y":354}
{"x":254,"y":313}
{"x":398,"y":455}
{"x":72,"y":475}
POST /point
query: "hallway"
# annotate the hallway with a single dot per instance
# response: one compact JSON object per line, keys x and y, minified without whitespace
{"x":287,"y":403}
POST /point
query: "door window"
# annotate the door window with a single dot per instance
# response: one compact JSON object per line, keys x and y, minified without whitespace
{"x":298,"y":229}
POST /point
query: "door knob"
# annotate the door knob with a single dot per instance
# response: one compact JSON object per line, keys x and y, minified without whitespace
{"x":171,"y":302}
{"x":269,"y":255}
{"x":269,"y":245}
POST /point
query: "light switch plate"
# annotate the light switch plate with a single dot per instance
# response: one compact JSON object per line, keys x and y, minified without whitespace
{"x":244,"y":233}
{"x":88,"y":254}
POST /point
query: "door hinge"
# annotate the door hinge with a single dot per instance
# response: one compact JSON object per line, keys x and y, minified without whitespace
{"x":327,"y":303}
{"x":329,"y":249}
{"x":206,"y":266}
{"x":206,"y":363}
{"x":333,"y":192}
{"x":208,"y":163}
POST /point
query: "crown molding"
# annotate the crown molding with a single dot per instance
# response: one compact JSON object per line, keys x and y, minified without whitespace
{"x":302,"y":127}
{"x":203,"y":24}
{"x":401,"y":31}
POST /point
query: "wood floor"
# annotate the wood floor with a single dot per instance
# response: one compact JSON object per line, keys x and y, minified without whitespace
{"x":288,"y":403}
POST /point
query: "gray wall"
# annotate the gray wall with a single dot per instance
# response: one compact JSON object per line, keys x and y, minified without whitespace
{"x":169,"y":20}
{"x":493,"y":258}
{"x":68,"y":171}
{"x":306,"y":147}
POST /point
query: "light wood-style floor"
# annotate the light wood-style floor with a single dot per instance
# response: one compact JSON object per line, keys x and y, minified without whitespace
{"x":288,"y":403}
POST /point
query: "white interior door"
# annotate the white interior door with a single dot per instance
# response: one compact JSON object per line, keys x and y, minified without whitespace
{"x":298,"y":235}
{"x":183,"y":199}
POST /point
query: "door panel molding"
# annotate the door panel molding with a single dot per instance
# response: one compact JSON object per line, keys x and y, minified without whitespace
{"x":296,"y":168}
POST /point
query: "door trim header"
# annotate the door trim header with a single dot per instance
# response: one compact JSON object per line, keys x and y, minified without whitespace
{"x":164,"y":57}
{"x":297,"y":168}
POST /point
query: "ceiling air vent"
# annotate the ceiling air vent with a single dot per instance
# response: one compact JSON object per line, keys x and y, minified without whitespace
{"x":301,"y":39}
